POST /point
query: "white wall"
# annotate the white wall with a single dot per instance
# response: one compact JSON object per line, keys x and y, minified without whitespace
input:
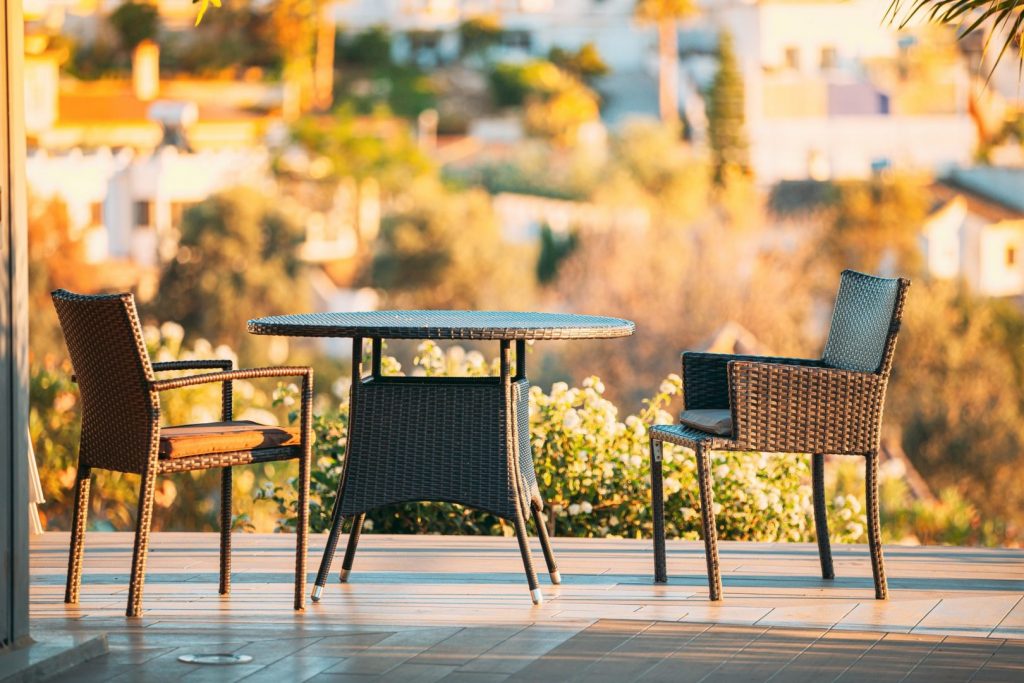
{"x":119,"y":180}
{"x":996,"y":275}
{"x":569,"y":24}
{"x":782,"y":148}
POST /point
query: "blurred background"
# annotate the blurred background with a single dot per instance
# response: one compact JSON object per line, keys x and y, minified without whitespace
{"x":705,"y":168}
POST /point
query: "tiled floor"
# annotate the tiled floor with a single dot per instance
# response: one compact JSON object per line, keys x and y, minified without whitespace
{"x":428,"y":608}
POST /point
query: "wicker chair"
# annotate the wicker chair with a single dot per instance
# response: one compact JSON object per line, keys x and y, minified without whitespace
{"x":121,"y":429}
{"x":787,"y":405}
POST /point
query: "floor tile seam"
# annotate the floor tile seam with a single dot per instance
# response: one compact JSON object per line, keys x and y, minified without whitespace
{"x":880,"y":637}
{"x":1007,"y":615}
{"x":924,"y":658}
{"x":794,"y":657}
{"x":671,"y":654}
{"x":532,"y":624}
{"x":616,"y":648}
{"x":737,"y":652}
{"x":987,"y":660}
{"x":925,"y":615}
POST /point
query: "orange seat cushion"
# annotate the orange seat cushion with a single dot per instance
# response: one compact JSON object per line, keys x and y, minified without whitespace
{"x":183,"y":441}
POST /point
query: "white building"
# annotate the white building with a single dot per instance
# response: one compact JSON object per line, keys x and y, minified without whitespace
{"x":130,"y":204}
{"x":823,"y":95}
{"x":978,"y":233}
{"x":427,"y":30}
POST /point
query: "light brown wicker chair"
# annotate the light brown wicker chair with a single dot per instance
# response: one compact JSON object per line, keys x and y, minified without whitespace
{"x":121,"y":429}
{"x":792,"y":405}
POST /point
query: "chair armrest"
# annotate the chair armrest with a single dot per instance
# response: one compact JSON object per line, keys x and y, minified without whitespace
{"x":804,"y":409}
{"x":210,"y":364}
{"x":168,"y":366}
{"x":706,"y":380}
{"x":227,"y":376}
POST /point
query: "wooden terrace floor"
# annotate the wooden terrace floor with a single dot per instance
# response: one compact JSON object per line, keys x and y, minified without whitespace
{"x":426,"y":608}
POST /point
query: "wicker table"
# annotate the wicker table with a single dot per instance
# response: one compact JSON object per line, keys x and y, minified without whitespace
{"x":447,"y":439}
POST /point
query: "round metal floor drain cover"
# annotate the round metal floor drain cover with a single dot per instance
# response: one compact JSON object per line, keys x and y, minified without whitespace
{"x":219,"y":659}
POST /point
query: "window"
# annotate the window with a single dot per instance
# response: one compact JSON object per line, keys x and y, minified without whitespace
{"x":792,"y":58}
{"x":516,"y":39}
{"x":96,"y":213}
{"x":143,"y":214}
{"x":1011,"y":256}
{"x":828,"y":57}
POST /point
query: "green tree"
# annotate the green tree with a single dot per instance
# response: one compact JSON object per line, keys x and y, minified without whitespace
{"x":726,"y":118}
{"x":371,"y":47}
{"x":665,"y":14}
{"x":585,"y":63}
{"x":346,"y":146}
{"x":444,"y":250}
{"x":478,"y":34}
{"x":863,"y":224}
{"x":230,"y":38}
{"x":956,"y":394}
{"x":556,"y":103}
{"x":236,"y":260}
{"x":134,"y":23}
{"x":553,"y":250}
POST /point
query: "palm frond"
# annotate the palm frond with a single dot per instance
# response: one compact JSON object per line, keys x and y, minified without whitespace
{"x":1000,"y":16}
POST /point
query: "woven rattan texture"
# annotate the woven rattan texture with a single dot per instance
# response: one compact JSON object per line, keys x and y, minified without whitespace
{"x":205,"y":462}
{"x":463,"y":458}
{"x":521,"y":408}
{"x":706,"y":380}
{"x":861,"y":322}
{"x":444,"y":325}
{"x":119,"y":412}
{"x":120,"y":432}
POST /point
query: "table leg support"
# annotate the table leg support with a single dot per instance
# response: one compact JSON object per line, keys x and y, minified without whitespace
{"x":545,"y":544}
{"x":353,"y":541}
{"x":336,"y":517}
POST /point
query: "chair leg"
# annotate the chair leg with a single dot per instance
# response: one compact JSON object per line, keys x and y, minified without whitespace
{"x":225,"y":530}
{"x":142,"y":528}
{"x":524,"y":549}
{"x":81,"y":513}
{"x":875,"y":526}
{"x":350,"y":550}
{"x":707,"y":514}
{"x":329,"y":550}
{"x":302,"y":533}
{"x":821,"y":516}
{"x":545,"y":544}
{"x":658,"y":511}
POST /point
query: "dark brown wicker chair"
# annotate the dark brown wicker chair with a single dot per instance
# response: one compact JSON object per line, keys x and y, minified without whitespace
{"x":787,"y":405}
{"x":121,"y":429}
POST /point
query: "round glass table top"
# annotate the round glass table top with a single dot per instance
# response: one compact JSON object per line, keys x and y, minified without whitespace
{"x":482,"y":325}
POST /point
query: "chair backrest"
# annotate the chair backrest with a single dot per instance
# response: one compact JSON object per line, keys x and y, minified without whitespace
{"x":865,"y":323}
{"x":120,"y":412}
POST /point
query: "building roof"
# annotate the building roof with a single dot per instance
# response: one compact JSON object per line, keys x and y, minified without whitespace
{"x":1000,"y":186}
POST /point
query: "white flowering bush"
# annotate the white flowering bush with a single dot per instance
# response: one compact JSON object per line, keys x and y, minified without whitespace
{"x":594,"y":473}
{"x":593,"y":469}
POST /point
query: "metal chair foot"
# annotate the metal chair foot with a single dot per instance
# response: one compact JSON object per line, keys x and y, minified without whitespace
{"x":343,"y":575}
{"x":556,"y":577}
{"x":537,"y":596}
{"x":317,"y":592}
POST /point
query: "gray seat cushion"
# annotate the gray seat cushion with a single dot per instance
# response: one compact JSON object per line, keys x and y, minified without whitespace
{"x":711,"y":420}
